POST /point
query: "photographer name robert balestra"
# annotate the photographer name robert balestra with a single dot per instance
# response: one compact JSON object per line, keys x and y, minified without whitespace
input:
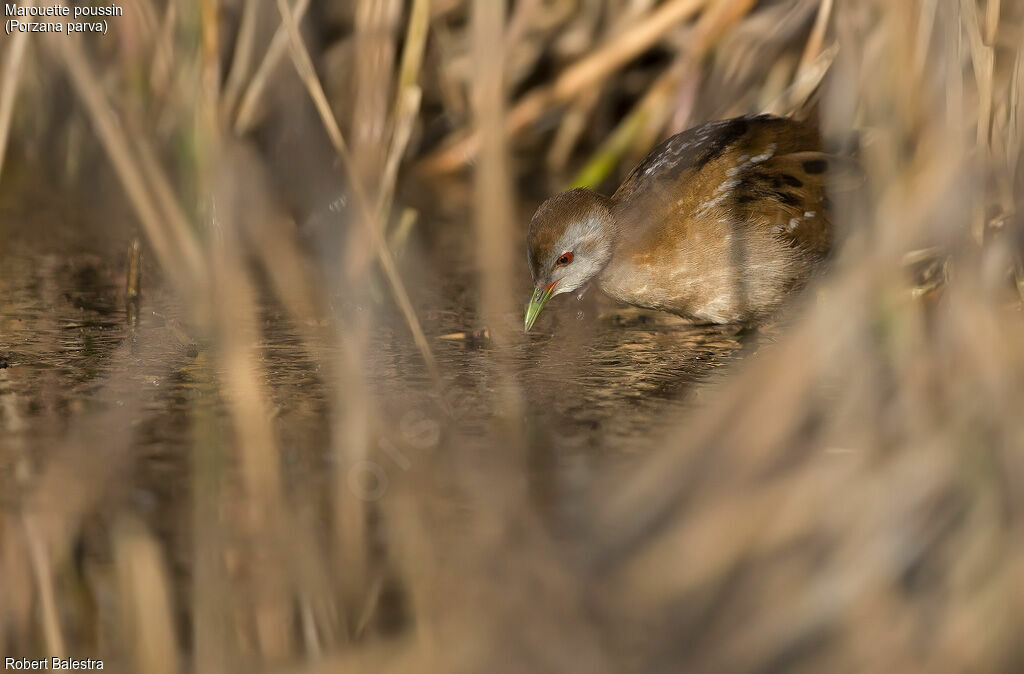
{"x":59,"y":664}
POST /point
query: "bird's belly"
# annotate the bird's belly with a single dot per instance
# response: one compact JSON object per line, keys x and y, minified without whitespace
{"x":701,"y":298}
{"x":704,"y":290}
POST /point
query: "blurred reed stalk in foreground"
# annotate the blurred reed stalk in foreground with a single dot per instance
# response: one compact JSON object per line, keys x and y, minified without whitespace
{"x":849,"y":500}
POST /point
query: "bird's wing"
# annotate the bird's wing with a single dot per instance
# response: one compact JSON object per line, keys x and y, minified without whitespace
{"x":763,"y":171}
{"x":787,"y":194}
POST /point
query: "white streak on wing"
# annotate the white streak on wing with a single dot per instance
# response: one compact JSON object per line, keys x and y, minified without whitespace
{"x":768,"y":154}
{"x":721,"y":194}
{"x":725,"y":189}
{"x":668,"y":158}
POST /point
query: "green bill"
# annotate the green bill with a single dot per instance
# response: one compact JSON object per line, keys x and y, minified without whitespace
{"x":540,"y":297}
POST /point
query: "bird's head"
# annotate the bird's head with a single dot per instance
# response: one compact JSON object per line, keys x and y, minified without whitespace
{"x":569,"y":242}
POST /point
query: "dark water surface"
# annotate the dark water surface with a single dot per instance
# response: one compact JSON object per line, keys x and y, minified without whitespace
{"x":597,"y":382}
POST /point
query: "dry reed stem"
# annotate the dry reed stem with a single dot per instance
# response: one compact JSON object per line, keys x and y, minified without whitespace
{"x":133,"y":277}
{"x":577,"y":114}
{"x":209,"y":23}
{"x":570,"y":129}
{"x":181,"y":230}
{"x":919,"y":471}
{"x":1015,"y":122}
{"x":806,"y":82}
{"x":1007,"y":133}
{"x":307,"y":73}
{"x":147,"y":19}
{"x":173,"y":243}
{"x":414,"y":49}
{"x":268,"y":232}
{"x":587,"y":71}
{"x":245,"y":118}
{"x":992,"y":10}
{"x":439,"y":8}
{"x":287,"y":268}
{"x":351,"y":435}
{"x":234,"y":301}
{"x":713,"y":22}
{"x":351,"y":428}
{"x":209,"y":598}
{"x":684,"y":103}
{"x":493,"y":206}
{"x":375,"y":23}
{"x":42,"y":571}
{"x":145,"y":604}
{"x":307,"y":622}
{"x":496,"y":235}
{"x":449,"y":85}
{"x":651,"y":112}
{"x":812,"y":49}
{"x":983,"y":61}
{"x":603,"y":161}
{"x":241,"y":59}
{"x":519,"y":22}
{"x":399,"y":236}
{"x":15,"y":57}
{"x":956,"y":103}
{"x":406,"y":111}
{"x":623,"y":48}
{"x":163,"y":52}
{"x":416,"y":561}
{"x":925,"y":28}
{"x":73,"y":481}
{"x":399,"y":656}
{"x":265,"y":519}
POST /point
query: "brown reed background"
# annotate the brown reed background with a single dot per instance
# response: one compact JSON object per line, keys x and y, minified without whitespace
{"x":731,"y":545}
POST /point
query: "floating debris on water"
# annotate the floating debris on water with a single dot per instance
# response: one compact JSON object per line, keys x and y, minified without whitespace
{"x":470,"y":338}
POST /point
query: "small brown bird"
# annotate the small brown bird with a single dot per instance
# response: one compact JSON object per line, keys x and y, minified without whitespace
{"x":718,"y":224}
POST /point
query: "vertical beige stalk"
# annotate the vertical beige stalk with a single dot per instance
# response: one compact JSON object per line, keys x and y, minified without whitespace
{"x":246,"y":116}
{"x":406,"y":107}
{"x":209,"y":11}
{"x":493,"y":202}
{"x":817,"y":38}
{"x":13,"y":59}
{"x":498,"y":245}
{"x":307,"y":73}
{"x":241,"y":59}
{"x":376,"y":21}
{"x":144,"y":599}
{"x":351,"y":435}
{"x":211,"y":649}
{"x":264,"y":521}
{"x":42,"y":570}
{"x":170,"y":236}
{"x":983,"y":60}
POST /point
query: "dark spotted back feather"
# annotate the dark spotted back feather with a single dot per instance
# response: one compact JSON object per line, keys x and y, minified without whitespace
{"x":759,"y":171}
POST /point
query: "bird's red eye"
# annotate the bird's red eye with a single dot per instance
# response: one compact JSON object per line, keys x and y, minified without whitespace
{"x":565,"y":259}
